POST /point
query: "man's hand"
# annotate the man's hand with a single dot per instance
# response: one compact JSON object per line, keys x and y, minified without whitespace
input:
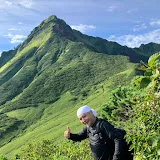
{"x":67,"y":133}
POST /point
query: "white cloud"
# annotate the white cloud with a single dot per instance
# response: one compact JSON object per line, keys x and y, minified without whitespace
{"x":155,"y":22}
{"x":20,"y":23}
{"x":83,"y":28}
{"x":8,"y":3}
{"x":111,"y":8}
{"x":139,"y":27}
{"x":137,"y":40}
{"x":14,"y":29}
{"x":15,"y":38}
{"x":132,"y":10}
{"x":23,"y":3}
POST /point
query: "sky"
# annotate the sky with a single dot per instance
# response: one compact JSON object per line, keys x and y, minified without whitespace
{"x":127,"y":22}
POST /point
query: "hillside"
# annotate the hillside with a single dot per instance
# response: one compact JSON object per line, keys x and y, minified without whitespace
{"x":53,"y":72}
{"x":148,"y":49}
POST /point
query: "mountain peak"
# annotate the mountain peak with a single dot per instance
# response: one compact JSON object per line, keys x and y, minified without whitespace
{"x":51,"y":18}
{"x":59,"y":26}
{"x":49,"y":26}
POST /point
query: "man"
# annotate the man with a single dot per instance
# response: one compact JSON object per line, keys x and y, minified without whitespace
{"x":106,"y":142}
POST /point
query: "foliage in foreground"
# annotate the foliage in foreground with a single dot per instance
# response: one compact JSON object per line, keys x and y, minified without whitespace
{"x":3,"y":157}
{"x":143,"y":116}
{"x":49,"y":150}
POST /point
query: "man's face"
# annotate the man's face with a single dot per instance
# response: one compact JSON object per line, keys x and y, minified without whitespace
{"x":87,"y":118}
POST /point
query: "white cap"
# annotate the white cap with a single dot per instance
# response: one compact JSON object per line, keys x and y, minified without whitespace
{"x":85,"y":109}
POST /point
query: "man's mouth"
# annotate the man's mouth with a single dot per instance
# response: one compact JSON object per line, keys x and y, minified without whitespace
{"x":86,"y":123}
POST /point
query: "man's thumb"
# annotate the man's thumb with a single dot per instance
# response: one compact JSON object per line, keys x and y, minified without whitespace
{"x":68,"y":129}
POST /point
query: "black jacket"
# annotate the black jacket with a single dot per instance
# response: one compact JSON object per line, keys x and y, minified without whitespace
{"x":106,"y":142}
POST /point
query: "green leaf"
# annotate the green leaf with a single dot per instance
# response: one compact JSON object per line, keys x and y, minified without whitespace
{"x":155,"y":142}
{"x":156,"y":74}
{"x":138,"y":80}
{"x":149,"y":73}
{"x":152,"y":59}
{"x":144,"y":82}
{"x":152,"y":84}
{"x":158,"y":152}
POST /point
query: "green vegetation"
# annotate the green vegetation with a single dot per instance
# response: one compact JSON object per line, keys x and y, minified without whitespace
{"x":137,"y":109}
{"x":53,"y":72}
{"x":145,"y":118}
{"x":148,"y":49}
{"x":48,"y":150}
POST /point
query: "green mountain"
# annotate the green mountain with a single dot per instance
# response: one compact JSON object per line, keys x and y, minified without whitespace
{"x":148,"y":49}
{"x":53,"y":72}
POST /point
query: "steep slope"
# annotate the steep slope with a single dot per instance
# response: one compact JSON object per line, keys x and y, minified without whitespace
{"x":53,"y":72}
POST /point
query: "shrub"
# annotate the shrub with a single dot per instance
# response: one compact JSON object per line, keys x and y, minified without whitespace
{"x":49,"y":150}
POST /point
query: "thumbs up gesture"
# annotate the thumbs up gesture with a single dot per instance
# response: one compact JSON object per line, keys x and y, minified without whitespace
{"x":67,"y":132}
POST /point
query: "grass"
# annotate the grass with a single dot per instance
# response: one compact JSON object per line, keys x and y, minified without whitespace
{"x":36,"y":42}
{"x":53,"y":82}
{"x":57,"y":116}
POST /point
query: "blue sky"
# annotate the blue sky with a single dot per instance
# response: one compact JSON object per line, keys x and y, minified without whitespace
{"x":127,"y":22}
